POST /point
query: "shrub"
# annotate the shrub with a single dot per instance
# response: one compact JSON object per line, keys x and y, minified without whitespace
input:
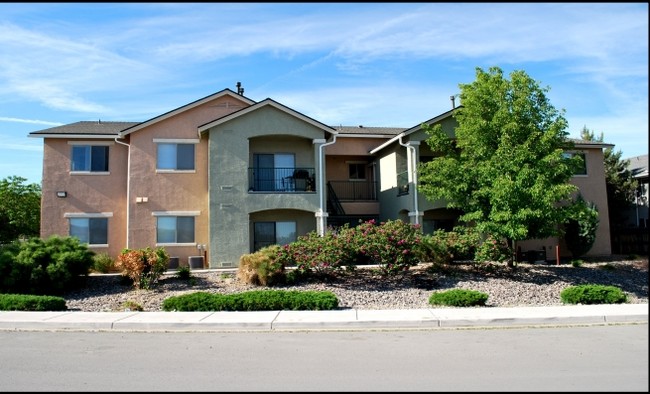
{"x":493,"y":249}
{"x":41,"y":267}
{"x":443,"y":247}
{"x":143,"y":266}
{"x":313,"y":255}
{"x":255,"y":300}
{"x":103,"y":263}
{"x":458,"y":297}
{"x":29,"y":302}
{"x":262,"y":267}
{"x":593,"y":294}
{"x":132,"y":306}
{"x":394,"y":245}
{"x":184,"y":272}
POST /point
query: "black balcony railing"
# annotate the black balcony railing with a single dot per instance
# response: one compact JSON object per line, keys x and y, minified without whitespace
{"x":281,"y":179}
{"x":355,"y":190}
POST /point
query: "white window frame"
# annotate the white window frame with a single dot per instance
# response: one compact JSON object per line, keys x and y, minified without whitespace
{"x":81,"y":215}
{"x":176,"y":214}
{"x":175,"y":141}
{"x":90,"y":144}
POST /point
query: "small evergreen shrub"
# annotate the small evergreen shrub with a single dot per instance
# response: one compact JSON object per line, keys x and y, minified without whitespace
{"x":44,"y":267}
{"x":30,"y":302}
{"x":255,"y":300}
{"x":593,"y":294}
{"x":458,"y":297}
{"x":577,"y":263}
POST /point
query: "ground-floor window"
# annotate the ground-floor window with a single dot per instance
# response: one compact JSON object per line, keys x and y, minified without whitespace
{"x":174,"y":229}
{"x":273,"y":233}
{"x":93,"y":231}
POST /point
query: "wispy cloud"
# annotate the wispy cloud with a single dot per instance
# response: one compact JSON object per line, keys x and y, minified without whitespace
{"x":30,"y":121}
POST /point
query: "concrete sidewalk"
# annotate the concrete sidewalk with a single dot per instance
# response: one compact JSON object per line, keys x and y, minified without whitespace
{"x":346,"y":319}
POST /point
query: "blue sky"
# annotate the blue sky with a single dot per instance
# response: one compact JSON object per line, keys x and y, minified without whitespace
{"x":375,"y":64}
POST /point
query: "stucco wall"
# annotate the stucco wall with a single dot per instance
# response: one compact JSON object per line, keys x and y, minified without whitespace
{"x":272,"y":131}
{"x":86,"y":193}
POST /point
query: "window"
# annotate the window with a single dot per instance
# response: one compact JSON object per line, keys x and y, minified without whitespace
{"x":93,"y":231}
{"x":273,"y":171}
{"x":273,"y":233}
{"x":175,"y":229}
{"x":357,"y":171}
{"x":175,"y":156}
{"x":89,"y":158}
{"x":581,"y":168}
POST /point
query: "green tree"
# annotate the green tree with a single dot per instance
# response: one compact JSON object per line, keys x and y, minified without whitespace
{"x":621,"y":185}
{"x":581,"y":226}
{"x":504,"y":166}
{"x":20,"y":209}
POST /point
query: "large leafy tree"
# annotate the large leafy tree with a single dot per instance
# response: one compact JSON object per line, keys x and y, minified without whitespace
{"x":504,"y":167}
{"x":20,"y":209}
{"x":621,"y":185}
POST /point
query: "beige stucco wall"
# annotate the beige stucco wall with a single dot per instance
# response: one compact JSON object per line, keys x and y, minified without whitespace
{"x":164,"y":191}
{"x":173,"y":191}
{"x":86,"y":193}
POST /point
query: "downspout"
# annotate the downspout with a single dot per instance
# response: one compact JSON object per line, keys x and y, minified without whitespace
{"x":128,"y":186}
{"x":321,"y":229}
{"x":414,"y":177}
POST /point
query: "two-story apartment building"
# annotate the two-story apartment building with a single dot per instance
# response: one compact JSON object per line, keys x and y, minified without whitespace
{"x":225,"y":175}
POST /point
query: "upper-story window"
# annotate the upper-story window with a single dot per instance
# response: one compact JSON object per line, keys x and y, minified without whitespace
{"x":357,"y":171}
{"x":581,"y":169}
{"x":89,"y":158}
{"x":175,"y":155}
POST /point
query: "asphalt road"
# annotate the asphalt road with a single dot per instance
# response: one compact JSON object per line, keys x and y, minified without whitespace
{"x":567,"y":358}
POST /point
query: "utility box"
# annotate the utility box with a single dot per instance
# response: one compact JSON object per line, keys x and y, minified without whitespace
{"x":195,"y":262}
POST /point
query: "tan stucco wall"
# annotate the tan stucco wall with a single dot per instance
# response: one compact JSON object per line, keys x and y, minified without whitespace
{"x":86,"y":193}
{"x":108,"y":193}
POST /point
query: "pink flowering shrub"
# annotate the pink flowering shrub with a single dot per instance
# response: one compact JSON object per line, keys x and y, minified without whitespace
{"x":493,"y":249}
{"x":393,"y":245}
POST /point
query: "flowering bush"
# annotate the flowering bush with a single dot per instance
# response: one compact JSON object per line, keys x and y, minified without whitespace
{"x":493,"y":249}
{"x":443,"y":247}
{"x":143,"y":266}
{"x":393,"y":245}
{"x":312,"y":254}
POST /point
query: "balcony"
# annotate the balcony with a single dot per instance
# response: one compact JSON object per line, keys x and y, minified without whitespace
{"x":354,"y":190}
{"x":281,"y":179}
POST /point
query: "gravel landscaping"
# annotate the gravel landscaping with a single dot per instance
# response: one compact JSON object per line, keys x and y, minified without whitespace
{"x":525,"y":285}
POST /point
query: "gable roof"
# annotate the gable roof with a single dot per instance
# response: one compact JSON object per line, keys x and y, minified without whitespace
{"x":580,"y":143}
{"x":84,"y":129}
{"x":414,"y":129}
{"x":262,"y":104}
{"x":370,"y":132}
{"x":167,"y":115}
{"x":638,"y":166}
